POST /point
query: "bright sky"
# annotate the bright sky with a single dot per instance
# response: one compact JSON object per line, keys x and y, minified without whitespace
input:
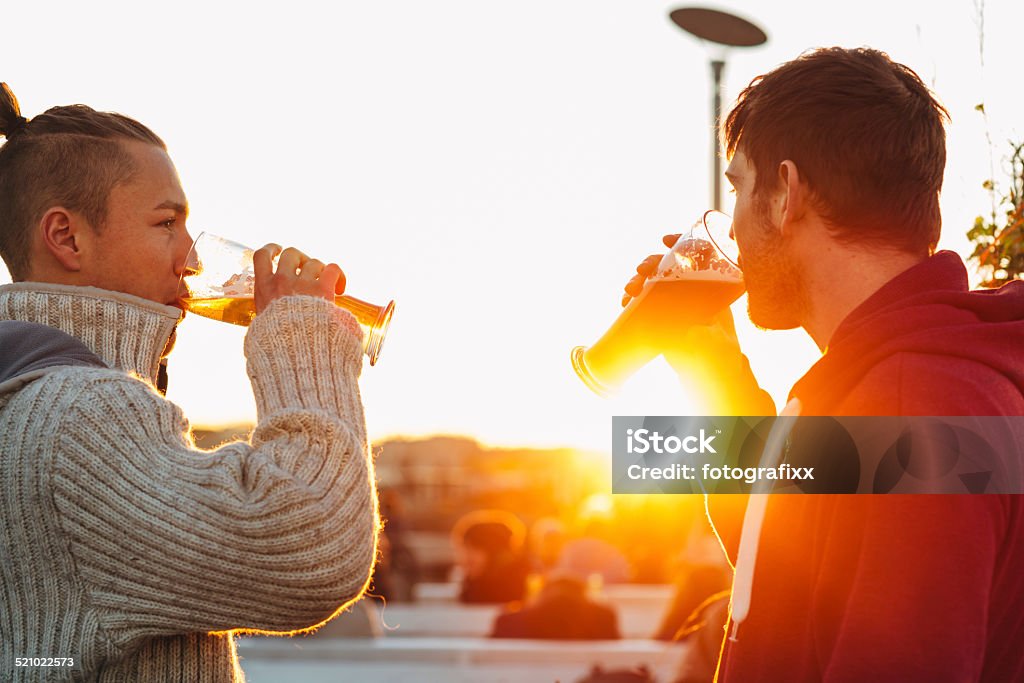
{"x":497,"y":169}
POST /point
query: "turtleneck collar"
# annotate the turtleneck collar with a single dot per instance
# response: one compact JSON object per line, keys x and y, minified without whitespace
{"x":125,"y":331}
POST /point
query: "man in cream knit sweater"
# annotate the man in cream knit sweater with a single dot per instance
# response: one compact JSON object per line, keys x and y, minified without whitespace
{"x":126,"y":553}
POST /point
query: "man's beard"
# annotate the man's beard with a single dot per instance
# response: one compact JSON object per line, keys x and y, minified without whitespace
{"x":776,"y":297}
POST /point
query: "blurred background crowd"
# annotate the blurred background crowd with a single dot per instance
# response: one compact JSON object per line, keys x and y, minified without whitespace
{"x":531,"y":546}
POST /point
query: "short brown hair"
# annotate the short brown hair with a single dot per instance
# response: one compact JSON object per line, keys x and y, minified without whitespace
{"x":866,"y":135}
{"x":69,"y":156}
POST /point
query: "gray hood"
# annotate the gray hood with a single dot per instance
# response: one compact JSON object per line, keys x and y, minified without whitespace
{"x":30,"y":350}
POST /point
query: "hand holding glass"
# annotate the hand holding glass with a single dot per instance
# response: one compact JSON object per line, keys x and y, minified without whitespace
{"x":695,"y":280}
{"x":221,"y":284}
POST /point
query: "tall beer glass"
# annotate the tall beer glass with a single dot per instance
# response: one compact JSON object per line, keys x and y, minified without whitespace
{"x":221,"y":281}
{"x":697,"y":278}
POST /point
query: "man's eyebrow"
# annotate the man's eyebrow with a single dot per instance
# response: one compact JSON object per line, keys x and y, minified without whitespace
{"x":175,"y":206}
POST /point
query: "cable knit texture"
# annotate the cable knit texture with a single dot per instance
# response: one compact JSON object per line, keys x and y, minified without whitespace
{"x":126,"y":547}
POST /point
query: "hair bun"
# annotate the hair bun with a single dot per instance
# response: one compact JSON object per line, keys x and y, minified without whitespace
{"x":11,"y":120}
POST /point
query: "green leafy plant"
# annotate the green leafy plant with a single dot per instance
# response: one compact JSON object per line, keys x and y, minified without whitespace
{"x":999,"y":238}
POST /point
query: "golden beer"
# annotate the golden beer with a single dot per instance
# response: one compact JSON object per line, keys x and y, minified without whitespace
{"x":241,"y":310}
{"x":641,"y":331}
{"x":221,"y":281}
{"x":697,"y":279}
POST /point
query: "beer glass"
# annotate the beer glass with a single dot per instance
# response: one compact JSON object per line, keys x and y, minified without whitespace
{"x":694,"y":281}
{"x":220,"y":281}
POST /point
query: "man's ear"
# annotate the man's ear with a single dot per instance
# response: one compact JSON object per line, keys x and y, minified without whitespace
{"x":792,"y":195}
{"x":61,"y":231}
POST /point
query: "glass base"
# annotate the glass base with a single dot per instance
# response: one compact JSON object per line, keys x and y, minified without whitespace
{"x":579,"y":364}
{"x":375,"y":338}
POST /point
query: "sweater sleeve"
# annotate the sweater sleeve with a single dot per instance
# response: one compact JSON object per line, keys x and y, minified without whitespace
{"x":277,"y":534}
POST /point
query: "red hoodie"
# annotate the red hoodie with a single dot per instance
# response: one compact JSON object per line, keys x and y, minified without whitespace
{"x":887,"y":588}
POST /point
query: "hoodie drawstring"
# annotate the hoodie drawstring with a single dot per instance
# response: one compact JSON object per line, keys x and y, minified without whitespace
{"x":753,"y":518}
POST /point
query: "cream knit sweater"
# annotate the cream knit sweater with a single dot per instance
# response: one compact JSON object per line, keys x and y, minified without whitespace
{"x":125,"y":547}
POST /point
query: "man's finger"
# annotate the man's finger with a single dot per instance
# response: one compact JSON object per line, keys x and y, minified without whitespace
{"x":636,"y":285}
{"x":290,"y":262}
{"x":649,"y":264}
{"x":335,"y":276}
{"x":262,"y":260}
{"x":670,"y":240}
{"x":311,"y":270}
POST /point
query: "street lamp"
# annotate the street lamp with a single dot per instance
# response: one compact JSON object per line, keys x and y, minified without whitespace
{"x":727,"y":30}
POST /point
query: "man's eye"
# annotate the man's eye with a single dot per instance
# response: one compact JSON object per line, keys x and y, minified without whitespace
{"x":169,"y":223}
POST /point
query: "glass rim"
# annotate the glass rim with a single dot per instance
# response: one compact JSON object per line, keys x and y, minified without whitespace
{"x":704,"y":222}
{"x":186,"y":271}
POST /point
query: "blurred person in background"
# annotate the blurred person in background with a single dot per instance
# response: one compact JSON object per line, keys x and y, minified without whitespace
{"x":546,"y":539}
{"x":560,"y":611}
{"x":397,"y":571}
{"x":489,"y":557}
{"x":593,"y":553}
{"x":701,"y":571}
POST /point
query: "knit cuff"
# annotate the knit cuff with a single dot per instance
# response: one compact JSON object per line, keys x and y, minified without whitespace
{"x":305,"y":352}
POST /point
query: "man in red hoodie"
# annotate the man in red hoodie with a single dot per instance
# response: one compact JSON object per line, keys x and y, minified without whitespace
{"x":837,"y":160}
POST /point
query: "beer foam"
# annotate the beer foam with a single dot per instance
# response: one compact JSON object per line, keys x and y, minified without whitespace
{"x":702,"y":275}
{"x":238,"y":285}
{"x":696,"y":259}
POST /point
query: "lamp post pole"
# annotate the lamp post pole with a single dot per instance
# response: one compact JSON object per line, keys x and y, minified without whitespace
{"x":723,"y":29}
{"x":717,"y":67}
